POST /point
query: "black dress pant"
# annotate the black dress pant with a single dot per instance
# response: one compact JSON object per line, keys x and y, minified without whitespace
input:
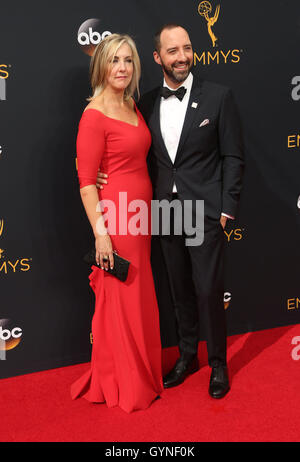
{"x":196,"y":276}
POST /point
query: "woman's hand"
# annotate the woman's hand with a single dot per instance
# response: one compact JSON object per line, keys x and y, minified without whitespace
{"x":101,"y":179}
{"x":104,"y":251}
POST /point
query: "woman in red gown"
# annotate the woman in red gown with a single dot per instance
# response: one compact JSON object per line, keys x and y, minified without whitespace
{"x":125,"y":368}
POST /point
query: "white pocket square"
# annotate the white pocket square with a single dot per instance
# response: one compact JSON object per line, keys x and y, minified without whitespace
{"x":205,"y":122}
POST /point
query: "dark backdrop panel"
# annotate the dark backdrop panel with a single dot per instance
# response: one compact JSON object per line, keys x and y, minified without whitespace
{"x":43,"y":228}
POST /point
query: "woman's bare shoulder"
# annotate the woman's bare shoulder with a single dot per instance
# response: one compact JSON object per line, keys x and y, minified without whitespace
{"x":95,"y":105}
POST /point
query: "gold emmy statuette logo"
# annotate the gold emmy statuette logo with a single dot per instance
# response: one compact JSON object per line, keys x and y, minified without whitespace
{"x":1,"y":226}
{"x":204,"y":9}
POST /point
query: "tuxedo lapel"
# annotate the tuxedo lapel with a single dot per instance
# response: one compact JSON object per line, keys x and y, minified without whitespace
{"x":195,"y":97}
{"x":154,"y":125}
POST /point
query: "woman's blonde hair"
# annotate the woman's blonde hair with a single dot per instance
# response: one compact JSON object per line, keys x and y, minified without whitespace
{"x":104,"y":53}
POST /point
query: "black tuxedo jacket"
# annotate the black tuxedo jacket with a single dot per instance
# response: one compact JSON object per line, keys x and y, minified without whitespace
{"x":209,"y":161}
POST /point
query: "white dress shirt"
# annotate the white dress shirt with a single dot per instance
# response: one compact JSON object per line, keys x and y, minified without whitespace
{"x":172,"y":114}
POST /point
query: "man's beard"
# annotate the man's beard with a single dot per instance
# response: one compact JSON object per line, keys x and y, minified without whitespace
{"x":176,"y":75}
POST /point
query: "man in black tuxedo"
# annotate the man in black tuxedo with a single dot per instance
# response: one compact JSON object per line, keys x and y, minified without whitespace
{"x":196,"y":154}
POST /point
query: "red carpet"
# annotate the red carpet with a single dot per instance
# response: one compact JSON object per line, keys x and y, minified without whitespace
{"x":263,"y":404}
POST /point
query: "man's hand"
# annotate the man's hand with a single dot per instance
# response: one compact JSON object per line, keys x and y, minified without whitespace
{"x":101,"y":179}
{"x":223,"y":221}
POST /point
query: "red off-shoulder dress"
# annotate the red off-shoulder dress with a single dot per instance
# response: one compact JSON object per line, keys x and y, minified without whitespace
{"x":125,"y":368}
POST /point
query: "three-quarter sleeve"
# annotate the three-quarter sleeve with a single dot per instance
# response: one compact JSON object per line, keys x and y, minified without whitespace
{"x":90,"y":147}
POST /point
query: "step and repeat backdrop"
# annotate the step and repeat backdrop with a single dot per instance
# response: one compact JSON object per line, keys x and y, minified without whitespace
{"x":46,"y":303}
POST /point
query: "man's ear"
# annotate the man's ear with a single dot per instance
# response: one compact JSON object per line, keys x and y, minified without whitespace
{"x":156,"y":57}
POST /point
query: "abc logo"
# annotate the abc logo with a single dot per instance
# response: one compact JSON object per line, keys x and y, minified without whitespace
{"x":89,"y":35}
{"x":10,"y":335}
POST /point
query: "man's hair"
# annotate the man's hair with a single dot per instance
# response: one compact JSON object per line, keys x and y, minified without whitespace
{"x":168,"y":26}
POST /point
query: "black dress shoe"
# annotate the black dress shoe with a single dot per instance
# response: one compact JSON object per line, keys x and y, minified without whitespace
{"x":219,"y":382}
{"x":181,"y":370}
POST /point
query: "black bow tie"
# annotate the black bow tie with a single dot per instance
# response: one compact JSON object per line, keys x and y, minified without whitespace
{"x":166,"y":92}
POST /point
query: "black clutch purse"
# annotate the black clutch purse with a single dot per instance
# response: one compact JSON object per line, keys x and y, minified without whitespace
{"x":120,"y":269}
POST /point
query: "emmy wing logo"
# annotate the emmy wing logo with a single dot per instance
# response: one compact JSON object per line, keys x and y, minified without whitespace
{"x":204,"y":9}
{"x":214,"y":55}
{"x":1,"y":226}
